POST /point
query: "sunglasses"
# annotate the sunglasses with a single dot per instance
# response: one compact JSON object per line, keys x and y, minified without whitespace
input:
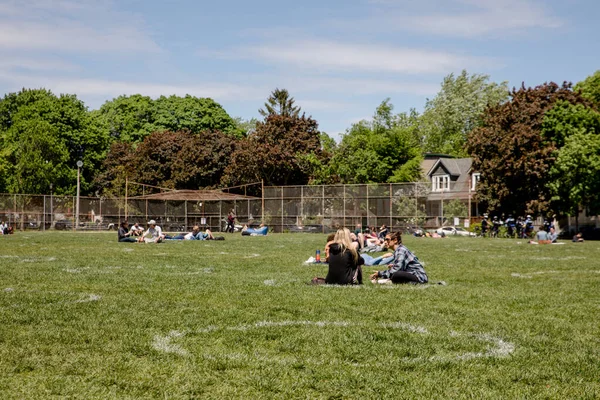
{"x":387,"y":239}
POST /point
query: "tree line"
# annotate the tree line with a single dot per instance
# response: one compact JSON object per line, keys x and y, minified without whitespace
{"x":537,"y":149}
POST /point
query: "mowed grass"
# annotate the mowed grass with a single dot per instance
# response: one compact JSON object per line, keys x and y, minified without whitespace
{"x":82,"y":316}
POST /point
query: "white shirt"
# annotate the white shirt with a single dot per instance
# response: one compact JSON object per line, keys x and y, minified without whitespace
{"x":155,"y":232}
{"x":189,"y":236}
{"x":137,"y":228}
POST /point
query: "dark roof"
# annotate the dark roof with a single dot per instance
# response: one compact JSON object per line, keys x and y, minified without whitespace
{"x":456,"y":167}
{"x":195,"y":195}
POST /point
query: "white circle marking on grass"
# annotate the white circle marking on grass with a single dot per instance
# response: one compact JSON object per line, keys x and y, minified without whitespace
{"x":531,"y":274}
{"x":89,"y":298}
{"x":164,"y":343}
{"x":499,"y":348}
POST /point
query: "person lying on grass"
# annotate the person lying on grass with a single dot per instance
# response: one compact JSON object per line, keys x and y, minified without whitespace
{"x":405,"y":268}
{"x":155,"y":233}
{"x":195,"y":234}
{"x":260,"y":231}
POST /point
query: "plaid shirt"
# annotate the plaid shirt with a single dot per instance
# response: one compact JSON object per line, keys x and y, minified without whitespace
{"x":404,"y":260}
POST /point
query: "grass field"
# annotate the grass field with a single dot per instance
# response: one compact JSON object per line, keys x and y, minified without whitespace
{"x":82,"y":316}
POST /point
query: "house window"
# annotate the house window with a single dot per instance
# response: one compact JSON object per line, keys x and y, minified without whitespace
{"x":475,"y":180}
{"x":440,"y":183}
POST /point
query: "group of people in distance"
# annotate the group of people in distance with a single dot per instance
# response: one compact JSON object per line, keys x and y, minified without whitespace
{"x":345,"y":262}
{"x":5,"y":229}
{"x":523,"y":228}
{"x":369,"y":237}
{"x":154,"y":234}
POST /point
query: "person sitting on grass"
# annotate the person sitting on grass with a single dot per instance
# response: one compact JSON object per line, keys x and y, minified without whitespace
{"x":359,"y":236}
{"x":578,"y":238}
{"x":155,"y":233}
{"x":382,"y":232}
{"x":553,"y":236}
{"x":541,"y":237}
{"x":344,"y":261}
{"x":136,"y":229}
{"x":405,"y":268}
{"x":330,"y":241}
{"x":125,"y":234}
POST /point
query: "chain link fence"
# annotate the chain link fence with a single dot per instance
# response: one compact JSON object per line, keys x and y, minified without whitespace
{"x":43,"y":212}
{"x":322,"y":209}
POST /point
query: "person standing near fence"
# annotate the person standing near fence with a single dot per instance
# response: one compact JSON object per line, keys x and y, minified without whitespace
{"x":230,"y":222}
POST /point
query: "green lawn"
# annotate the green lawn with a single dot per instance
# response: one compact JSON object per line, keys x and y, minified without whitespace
{"x":82,"y":316}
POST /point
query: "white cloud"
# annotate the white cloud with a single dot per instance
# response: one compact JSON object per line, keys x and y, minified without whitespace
{"x":329,"y":55}
{"x":70,"y":26}
{"x":9,"y":62}
{"x":464,"y":18}
{"x":107,"y":89}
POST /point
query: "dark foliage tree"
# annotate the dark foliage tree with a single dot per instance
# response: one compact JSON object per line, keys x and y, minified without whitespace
{"x":280,"y":103}
{"x":177,"y":160}
{"x":202,"y":159}
{"x":117,"y":165}
{"x":512,"y":153}
{"x":275,"y":152}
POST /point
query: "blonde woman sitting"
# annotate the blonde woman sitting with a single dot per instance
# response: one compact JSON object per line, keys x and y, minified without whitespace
{"x":344,"y":261}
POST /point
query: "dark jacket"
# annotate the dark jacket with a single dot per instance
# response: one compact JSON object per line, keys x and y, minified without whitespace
{"x":342,"y":266}
{"x":122,"y":232}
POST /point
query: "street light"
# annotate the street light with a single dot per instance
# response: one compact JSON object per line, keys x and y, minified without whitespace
{"x":79,"y":165}
{"x":51,"y":209}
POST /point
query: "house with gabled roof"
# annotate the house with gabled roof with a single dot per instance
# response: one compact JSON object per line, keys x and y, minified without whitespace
{"x":451,"y":179}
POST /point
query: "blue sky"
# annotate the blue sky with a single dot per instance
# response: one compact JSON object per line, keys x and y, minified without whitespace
{"x":339,"y":59}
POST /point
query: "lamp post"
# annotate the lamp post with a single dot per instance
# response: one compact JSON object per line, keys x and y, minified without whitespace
{"x":79,"y":165}
{"x":51,"y":208}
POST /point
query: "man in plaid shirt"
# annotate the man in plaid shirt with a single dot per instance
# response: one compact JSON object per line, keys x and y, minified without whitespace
{"x":406,"y":267}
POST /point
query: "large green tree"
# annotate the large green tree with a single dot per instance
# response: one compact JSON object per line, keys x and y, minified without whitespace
{"x":512,"y":152}
{"x":590,"y":88}
{"x":573,"y":179}
{"x":375,"y":151}
{"x":576,"y":185}
{"x":132,"y":118}
{"x":457,"y":109}
{"x":38,"y":128}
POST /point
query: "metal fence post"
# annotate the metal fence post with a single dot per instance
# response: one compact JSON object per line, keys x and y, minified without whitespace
{"x":186,"y":214}
{"x":391,"y":201}
{"x":344,"y":207}
{"x":323,"y":208}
